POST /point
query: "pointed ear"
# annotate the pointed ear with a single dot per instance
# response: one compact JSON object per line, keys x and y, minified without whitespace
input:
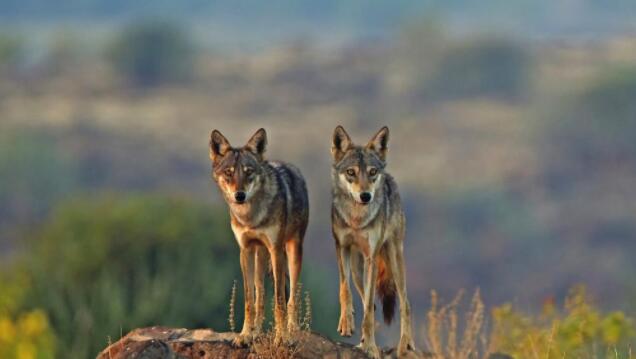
{"x":341,"y":143}
{"x":257,"y":143}
{"x":379,"y":143}
{"x":219,"y":145}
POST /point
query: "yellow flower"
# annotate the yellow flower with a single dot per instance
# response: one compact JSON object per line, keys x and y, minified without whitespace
{"x":33,"y":323}
{"x":25,"y":350}
{"x":7,"y":330}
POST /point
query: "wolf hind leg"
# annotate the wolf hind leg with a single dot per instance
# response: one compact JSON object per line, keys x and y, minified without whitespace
{"x":277,"y":256}
{"x":396,"y":261}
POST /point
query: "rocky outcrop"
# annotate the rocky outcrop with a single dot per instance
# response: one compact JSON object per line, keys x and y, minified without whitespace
{"x":171,"y":343}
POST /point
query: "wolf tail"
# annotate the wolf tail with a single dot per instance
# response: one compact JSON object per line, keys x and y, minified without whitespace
{"x":385,"y":287}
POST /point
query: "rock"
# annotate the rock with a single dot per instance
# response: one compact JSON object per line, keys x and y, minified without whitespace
{"x":171,"y":343}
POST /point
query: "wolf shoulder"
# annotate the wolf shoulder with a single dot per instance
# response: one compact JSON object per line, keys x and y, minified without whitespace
{"x":393,"y":198}
{"x":293,"y":179}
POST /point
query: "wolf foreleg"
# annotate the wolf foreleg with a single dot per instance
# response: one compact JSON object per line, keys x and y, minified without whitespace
{"x":346,"y":325}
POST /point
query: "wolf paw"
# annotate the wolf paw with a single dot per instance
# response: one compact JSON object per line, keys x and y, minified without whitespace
{"x":371,"y":350}
{"x":280,"y":339}
{"x":346,"y":326}
{"x":405,"y":347}
{"x":242,"y":340}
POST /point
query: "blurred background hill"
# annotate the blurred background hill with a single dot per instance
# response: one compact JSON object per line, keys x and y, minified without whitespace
{"x":512,"y":140}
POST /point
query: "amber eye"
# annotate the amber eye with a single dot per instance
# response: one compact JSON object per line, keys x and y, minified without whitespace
{"x":228,"y":172}
{"x":248,"y":171}
{"x":373,"y":172}
{"x":351,"y":172}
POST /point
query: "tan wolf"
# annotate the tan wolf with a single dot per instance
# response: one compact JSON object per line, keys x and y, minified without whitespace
{"x":368,"y":226}
{"x":269,"y":210}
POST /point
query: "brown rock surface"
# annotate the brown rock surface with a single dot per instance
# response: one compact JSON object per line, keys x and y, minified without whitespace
{"x":171,"y":343}
{"x":179,"y":343}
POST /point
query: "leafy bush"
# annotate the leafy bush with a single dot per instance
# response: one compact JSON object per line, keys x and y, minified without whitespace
{"x":153,"y":52}
{"x":102,"y":266}
{"x":581,"y":330}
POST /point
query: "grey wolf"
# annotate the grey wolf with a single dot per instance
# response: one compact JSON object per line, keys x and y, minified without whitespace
{"x":368,"y":226}
{"x":269,"y":210}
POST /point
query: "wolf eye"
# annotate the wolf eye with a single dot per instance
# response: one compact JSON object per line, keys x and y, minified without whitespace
{"x":351,"y":172}
{"x":228,"y":172}
{"x":373,"y":172}
{"x":248,"y":171}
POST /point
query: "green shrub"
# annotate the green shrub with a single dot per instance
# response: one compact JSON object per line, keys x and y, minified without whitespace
{"x":153,"y":52}
{"x":102,"y":266}
{"x":579,"y":331}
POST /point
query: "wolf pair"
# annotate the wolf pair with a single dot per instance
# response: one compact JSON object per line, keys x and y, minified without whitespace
{"x":269,"y":210}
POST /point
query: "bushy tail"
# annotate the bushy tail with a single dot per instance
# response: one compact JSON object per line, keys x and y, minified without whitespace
{"x":385,"y":288}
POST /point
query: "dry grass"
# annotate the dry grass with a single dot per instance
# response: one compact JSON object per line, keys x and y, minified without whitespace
{"x":266,"y":345}
{"x":231,"y":314}
{"x":447,"y":338}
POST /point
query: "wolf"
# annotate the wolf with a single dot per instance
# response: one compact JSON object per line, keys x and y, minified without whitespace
{"x":368,"y":226}
{"x":269,"y":210}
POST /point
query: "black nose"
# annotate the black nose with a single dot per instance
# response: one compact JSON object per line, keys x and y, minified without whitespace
{"x":365,"y":197}
{"x":239,"y":196}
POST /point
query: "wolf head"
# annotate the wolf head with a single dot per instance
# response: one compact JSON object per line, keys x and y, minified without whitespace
{"x":359,"y":170}
{"x":238,"y":171}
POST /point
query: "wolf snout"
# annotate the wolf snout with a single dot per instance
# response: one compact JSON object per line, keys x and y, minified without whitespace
{"x":239,"y":196}
{"x":365,"y":197}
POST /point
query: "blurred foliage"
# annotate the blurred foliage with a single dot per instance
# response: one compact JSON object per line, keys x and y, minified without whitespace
{"x":588,"y":160}
{"x":436,"y":66}
{"x":152,"y":52}
{"x":40,"y":167}
{"x":597,"y":123}
{"x":24,"y":334}
{"x":481,"y":67}
{"x":485,"y":231}
{"x":35,"y":173}
{"x":580,"y":330}
{"x":11,"y":51}
{"x":64,"y":52}
{"x":102,"y":266}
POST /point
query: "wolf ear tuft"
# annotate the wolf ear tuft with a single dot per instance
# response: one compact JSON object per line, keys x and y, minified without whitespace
{"x":341,"y":143}
{"x":257,"y":143}
{"x":219,"y":145}
{"x":379,"y":143}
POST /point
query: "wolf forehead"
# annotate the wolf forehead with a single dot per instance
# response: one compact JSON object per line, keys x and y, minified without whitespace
{"x":236,"y":157}
{"x":360,"y":157}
